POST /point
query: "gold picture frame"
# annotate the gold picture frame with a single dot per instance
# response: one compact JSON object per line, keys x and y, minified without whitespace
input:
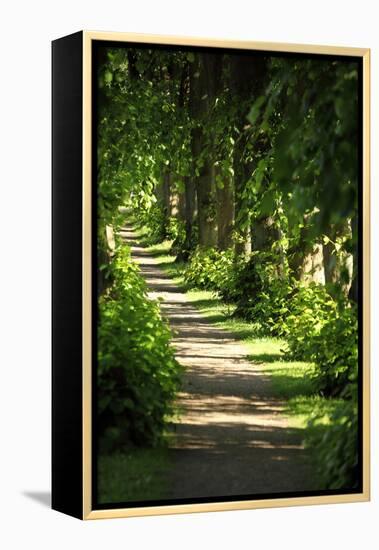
{"x":85,"y":508}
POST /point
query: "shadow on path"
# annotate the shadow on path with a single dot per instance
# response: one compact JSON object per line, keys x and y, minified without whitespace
{"x":232,"y":437}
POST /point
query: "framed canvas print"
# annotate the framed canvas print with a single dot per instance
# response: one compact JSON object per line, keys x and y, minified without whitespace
{"x":210,"y":275}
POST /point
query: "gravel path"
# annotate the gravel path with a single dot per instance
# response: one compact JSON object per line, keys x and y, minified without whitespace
{"x":232,"y":438}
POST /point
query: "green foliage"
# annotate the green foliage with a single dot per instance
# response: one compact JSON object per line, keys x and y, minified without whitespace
{"x":138,"y":375}
{"x":292,"y":168}
{"x":260,"y":290}
{"x":311,"y":308}
{"x":175,"y":230}
{"x":335,"y":352}
{"x":154,"y":219}
{"x":334,"y":444}
{"x":143,"y":129}
{"x":263,"y":291}
{"x":304,"y":100}
{"x":160,"y":227}
{"x":177,"y":234}
{"x":210,"y":269}
{"x":324,"y":332}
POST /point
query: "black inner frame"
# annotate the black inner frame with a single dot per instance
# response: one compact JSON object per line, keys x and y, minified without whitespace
{"x":98,"y":44}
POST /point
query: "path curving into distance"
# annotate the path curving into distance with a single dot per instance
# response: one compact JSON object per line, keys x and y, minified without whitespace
{"x":232,"y":438}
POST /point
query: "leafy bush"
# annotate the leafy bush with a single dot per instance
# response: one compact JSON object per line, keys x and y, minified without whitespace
{"x":336,"y":354}
{"x":262,"y":292}
{"x":138,"y":375}
{"x":210,"y":269}
{"x":335,"y":446}
{"x":254,"y":285}
{"x":175,"y":231}
{"x":161,"y":227}
{"x":154,"y":218}
{"x":324,"y":332}
{"x":311,"y":308}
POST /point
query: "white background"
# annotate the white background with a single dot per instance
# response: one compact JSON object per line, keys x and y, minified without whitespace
{"x":27,"y":27}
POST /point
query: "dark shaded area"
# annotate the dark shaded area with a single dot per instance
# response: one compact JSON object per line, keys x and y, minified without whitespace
{"x":67,"y":275}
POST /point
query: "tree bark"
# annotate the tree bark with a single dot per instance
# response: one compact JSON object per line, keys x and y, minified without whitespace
{"x":312,"y":266}
{"x":163,"y":196}
{"x":247,"y":81}
{"x":266,"y":236}
{"x":190,"y":212}
{"x":204,"y":72}
{"x":225,"y":213}
{"x":354,"y":288}
{"x":338,"y":265}
{"x":305,"y":257}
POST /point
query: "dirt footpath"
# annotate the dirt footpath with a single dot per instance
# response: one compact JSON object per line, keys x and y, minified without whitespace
{"x":232,"y":438}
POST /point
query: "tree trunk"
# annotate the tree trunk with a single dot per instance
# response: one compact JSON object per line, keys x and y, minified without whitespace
{"x":163,"y":195}
{"x":261,"y":230}
{"x":330,"y":264}
{"x":338,"y":264}
{"x":312,"y":266}
{"x":247,"y":81}
{"x":190,"y":212}
{"x":241,"y":175}
{"x":265,"y":237}
{"x":307,"y":263}
{"x":225,"y":213}
{"x":166,"y":195}
{"x":180,"y":211}
{"x":354,"y":288}
{"x":305,"y":259}
{"x":203,"y":74}
{"x":206,"y":206}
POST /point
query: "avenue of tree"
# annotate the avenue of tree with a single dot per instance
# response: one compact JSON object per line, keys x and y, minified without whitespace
{"x":249,"y":163}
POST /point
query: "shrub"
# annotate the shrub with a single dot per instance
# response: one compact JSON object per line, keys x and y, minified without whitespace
{"x":155,"y":220}
{"x":335,"y":352}
{"x":161,"y":227}
{"x":175,"y":231}
{"x":254,"y":285}
{"x":311,"y":308}
{"x":324,"y":332}
{"x":335,"y":446}
{"x":209,"y":269}
{"x":138,"y":375}
{"x":262,"y":292}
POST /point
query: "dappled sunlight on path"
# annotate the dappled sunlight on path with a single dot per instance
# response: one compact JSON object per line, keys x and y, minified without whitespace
{"x":232,"y":437}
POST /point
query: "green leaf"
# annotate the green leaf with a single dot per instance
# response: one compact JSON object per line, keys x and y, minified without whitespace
{"x":108,"y":77}
{"x":256,"y":109}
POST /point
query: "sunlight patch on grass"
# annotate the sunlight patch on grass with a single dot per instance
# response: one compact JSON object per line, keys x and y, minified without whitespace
{"x":301,"y":408}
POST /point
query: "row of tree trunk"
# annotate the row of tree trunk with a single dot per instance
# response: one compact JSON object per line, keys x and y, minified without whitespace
{"x":213,"y":203}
